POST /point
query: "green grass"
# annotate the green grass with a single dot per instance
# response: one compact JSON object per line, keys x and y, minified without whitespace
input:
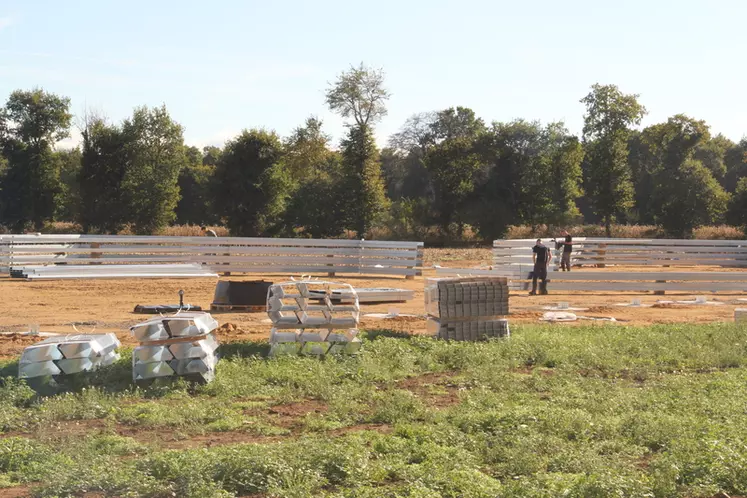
{"x":592,"y":411}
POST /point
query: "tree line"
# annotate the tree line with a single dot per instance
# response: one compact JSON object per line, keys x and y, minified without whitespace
{"x":442,"y":172}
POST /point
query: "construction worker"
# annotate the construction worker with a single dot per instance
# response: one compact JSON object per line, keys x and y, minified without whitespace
{"x":567,"y":245}
{"x":208,"y":232}
{"x":541,"y":256}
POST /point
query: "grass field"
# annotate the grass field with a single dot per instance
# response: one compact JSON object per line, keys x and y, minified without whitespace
{"x":581,"y":412}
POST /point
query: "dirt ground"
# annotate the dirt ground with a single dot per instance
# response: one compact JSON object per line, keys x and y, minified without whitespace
{"x":107,"y":305}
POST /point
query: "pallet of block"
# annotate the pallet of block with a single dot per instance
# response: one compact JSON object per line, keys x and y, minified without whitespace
{"x":468,"y":330}
{"x":463,"y":297}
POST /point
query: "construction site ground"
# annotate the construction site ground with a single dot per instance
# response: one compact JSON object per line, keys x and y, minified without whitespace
{"x":107,"y":305}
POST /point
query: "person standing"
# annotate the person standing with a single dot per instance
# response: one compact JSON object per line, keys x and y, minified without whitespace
{"x":565,"y":259}
{"x":541,"y":256}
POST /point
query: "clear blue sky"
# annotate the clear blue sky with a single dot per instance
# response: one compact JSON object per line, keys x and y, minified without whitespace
{"x":223,"y":65}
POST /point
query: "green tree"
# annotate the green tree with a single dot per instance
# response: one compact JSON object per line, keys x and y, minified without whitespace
{"x":735,"y":161}
{"x":685,"y":193}
{"x":456,"y":122}
{"x":155,"y":151}
{"x":363,"y":185}
{"x":712,"y":153}
{"x":609,"y":115}
{"x":210,"y":155}
{"x":454,"y":166}
{"x":360,"y":94}
{"x":195,"y":183}
{"x":738,"y":206}
{"x":250,"y":185}
{"x":104,"y":205}
{"x":130,"y":172}
{"x":316,"y":205}
{"x":31,"y":122}
{"x":69,"y":165}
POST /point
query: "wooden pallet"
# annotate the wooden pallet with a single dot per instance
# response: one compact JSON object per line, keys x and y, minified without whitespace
{"x":246,"y":308}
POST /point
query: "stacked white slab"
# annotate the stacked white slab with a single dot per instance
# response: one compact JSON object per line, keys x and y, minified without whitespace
{"x":467,"y":309}
{"x":68,"y":272}
{"x":182,"y":344}
{"x":68,"y":354}
{"x":306,"y":321}
{"x":374,"y":295}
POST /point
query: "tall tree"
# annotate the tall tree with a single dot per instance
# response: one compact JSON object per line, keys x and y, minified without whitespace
{"x":316,"y":201}
{"x":104,"y":205}
{"x":364,"y":186}
{"x":195,"y":181}
{"x":685,"y":193}
{"x":69,"y":164}
{"x":737,"y":214}
{"x":31,"y":122}
{"x":454,"y":166}
{"x":609,"y":115}
{"x":155,"y":150}
{"x":307,"y":150}
{"x":129,"y":173}
{"x":360,"y":94}
{"x":251,"y":186}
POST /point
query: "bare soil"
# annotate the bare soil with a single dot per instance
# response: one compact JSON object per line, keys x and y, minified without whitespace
{"x":107,"y":305}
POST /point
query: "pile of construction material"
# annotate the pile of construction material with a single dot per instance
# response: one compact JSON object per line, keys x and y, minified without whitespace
{"x":305,"y":320}
{"x":68,"y":354}
{"x":467,"y":309}
{"x":182,"y":344}
{"x":107,"y":271}
{"x":371,"y":295}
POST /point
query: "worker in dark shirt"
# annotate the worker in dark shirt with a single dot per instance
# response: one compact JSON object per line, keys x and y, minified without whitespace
{"x":565,"y":260}
{"x":541,"y":257}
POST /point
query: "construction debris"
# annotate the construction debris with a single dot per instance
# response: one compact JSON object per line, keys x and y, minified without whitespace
{"x":563,"y":307}
{"x":557,"y":316}
{"x":306,"y":321}
{"x":740,"y":314}
{"x":182,"y":344}
{"x":68,"y":354}
{"x":67,"y":272}
{"x":467,"y":309}
{"x":634,"y":303}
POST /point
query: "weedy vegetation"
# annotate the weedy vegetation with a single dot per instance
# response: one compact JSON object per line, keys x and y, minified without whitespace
{"x":593,"y":411}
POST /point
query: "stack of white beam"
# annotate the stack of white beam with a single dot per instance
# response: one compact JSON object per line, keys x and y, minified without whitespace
{"x":467,"y":309}
{"x":66,"y":272}
{"x":306,"y":321}
{"x":68,"y":354}
{"x":373,"y":295}
{"x":182,"y":344}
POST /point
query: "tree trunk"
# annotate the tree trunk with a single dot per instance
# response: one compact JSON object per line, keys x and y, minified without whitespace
{"x":608,"y":226}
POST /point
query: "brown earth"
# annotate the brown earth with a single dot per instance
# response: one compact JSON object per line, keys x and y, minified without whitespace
{"x":107,"y":305}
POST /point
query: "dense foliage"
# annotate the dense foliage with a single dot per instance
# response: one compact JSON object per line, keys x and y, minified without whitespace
{"x":442,"y":173}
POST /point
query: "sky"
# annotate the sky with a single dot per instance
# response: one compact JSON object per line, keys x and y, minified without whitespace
{"x":221,"y":66}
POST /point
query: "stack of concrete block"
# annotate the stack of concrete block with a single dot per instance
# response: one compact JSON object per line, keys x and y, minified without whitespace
{"x":182,"y":344}
{"x":306,"y":321}
{"x":467,"y":309}
{"x":68,"y":354}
